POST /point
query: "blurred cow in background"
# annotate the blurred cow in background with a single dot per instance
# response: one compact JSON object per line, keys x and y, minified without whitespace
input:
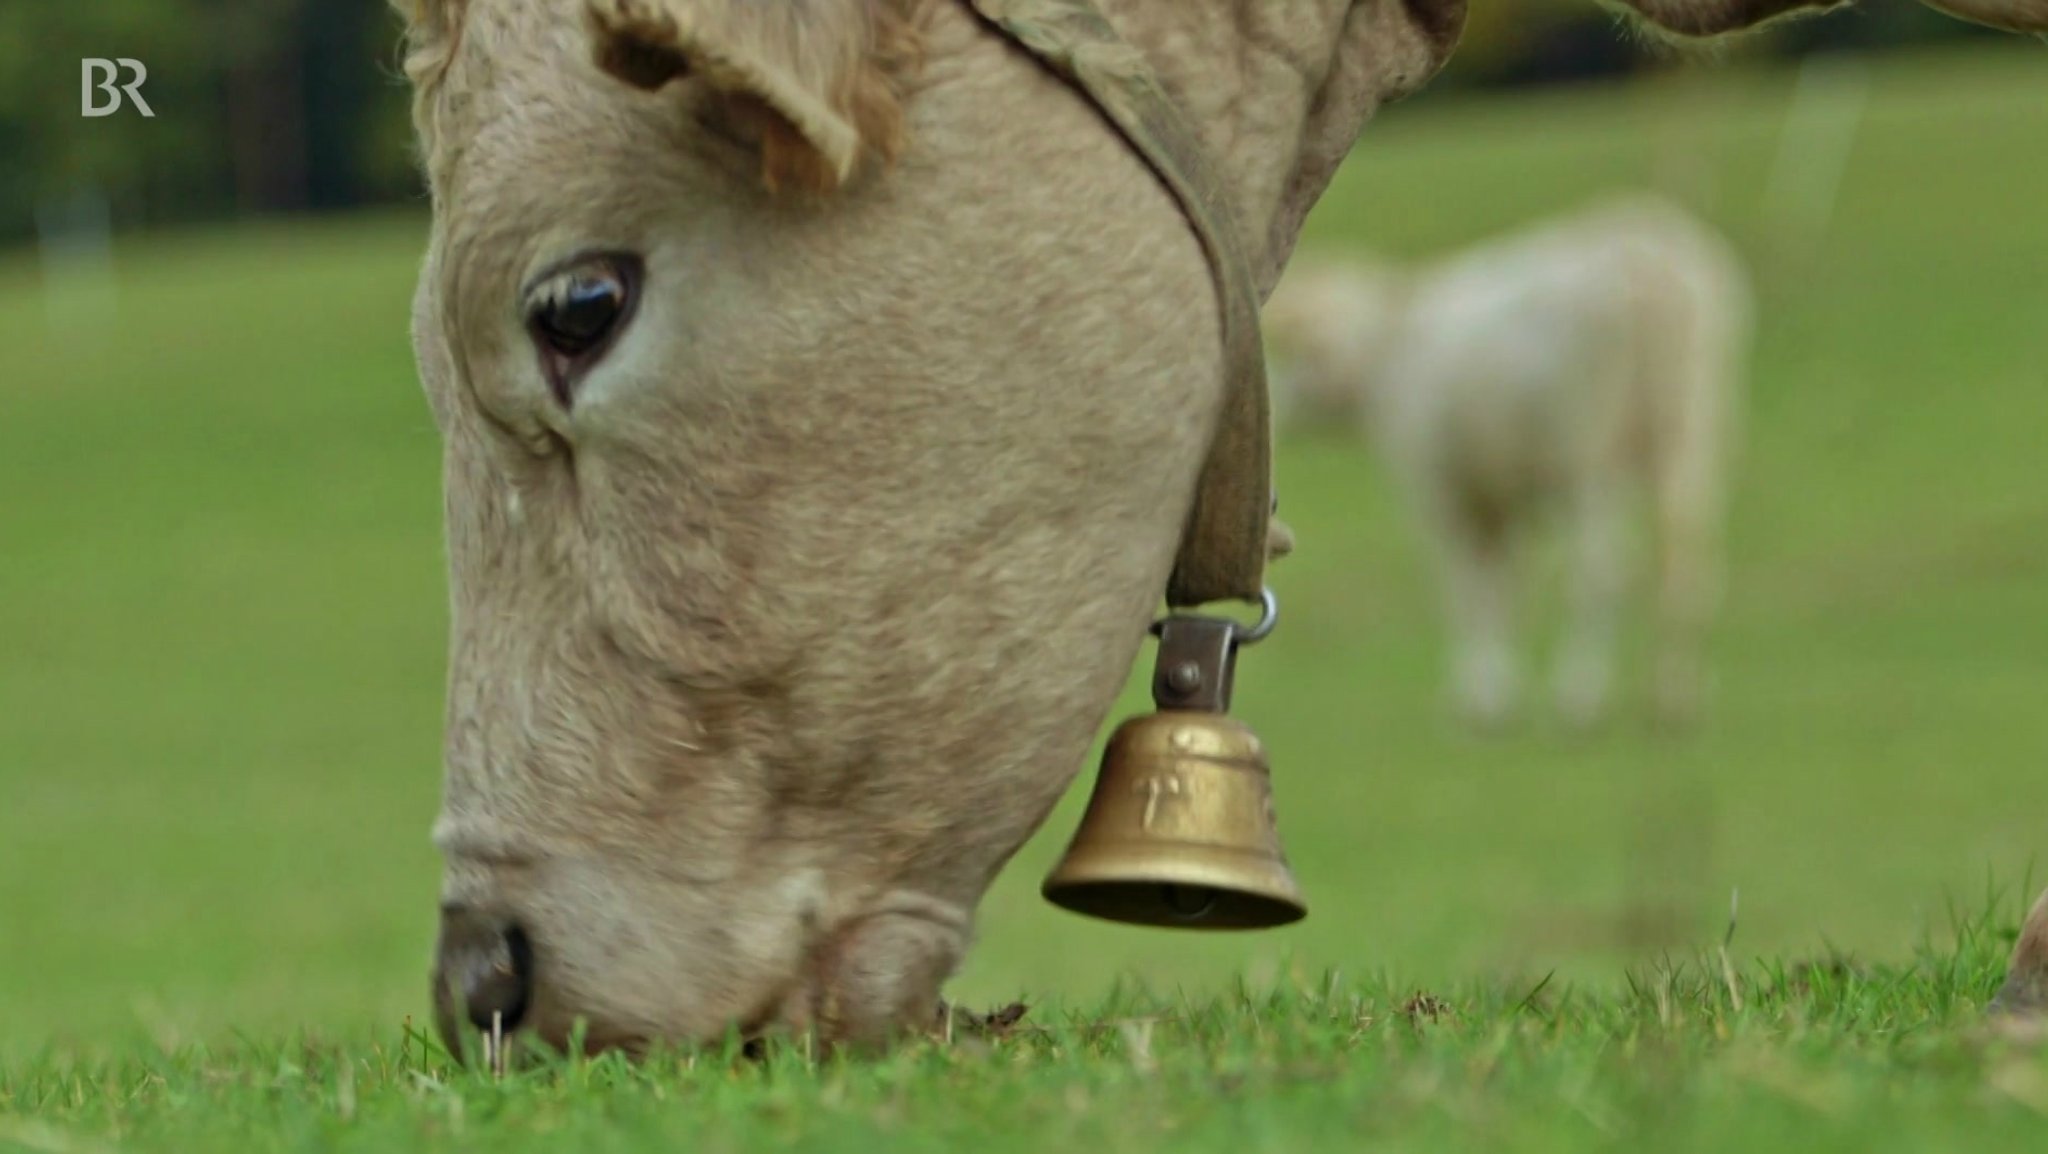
{"x":1560,"y":371}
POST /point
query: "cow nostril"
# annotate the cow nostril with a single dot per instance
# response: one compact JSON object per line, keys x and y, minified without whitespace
{"x":488,"y":965}
{"x":501,"y":988}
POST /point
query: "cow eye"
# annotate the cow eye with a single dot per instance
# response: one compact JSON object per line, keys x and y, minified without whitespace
{"x":574,"y":313}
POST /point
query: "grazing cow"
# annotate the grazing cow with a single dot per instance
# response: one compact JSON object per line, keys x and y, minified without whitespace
{"x":824,"y":388}
{"x":1554,"y":373}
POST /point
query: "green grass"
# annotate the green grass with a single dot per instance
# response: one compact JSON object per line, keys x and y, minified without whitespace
{"x":1684,"y":1059}
{"x":221,"y":628}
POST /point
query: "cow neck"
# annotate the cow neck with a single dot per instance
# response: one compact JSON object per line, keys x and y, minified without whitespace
{"x":1223,"y":546}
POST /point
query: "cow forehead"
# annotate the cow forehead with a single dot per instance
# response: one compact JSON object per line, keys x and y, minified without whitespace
{"x":536,"y":148}
{"x":522,"y":111}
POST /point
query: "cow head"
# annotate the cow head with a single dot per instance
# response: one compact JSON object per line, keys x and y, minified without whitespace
{"x":804,"y":511}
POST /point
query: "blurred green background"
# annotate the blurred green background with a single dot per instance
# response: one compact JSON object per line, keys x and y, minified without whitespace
{"x":285,"y":106}
{"x":222,"y":613}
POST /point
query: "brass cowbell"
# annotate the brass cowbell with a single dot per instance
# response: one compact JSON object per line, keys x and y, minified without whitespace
{"x":1179,"y":831}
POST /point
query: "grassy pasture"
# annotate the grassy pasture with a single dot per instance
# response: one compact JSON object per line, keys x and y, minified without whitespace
{"x":221,"y":622}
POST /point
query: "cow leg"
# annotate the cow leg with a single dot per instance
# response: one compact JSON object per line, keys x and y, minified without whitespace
{"x":1477,"y":557}
{"x":1688,"y":499}
{"x":1701,"y":373}
{"x":1597,"y":577}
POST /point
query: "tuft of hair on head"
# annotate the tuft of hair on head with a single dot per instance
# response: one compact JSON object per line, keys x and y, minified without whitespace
{"x":433,"y":31}
{"x":433,"y":35}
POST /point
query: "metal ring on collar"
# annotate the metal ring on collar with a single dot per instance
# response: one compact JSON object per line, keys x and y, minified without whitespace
{"x":1241,"y":635}
{"x":1269,"y":616}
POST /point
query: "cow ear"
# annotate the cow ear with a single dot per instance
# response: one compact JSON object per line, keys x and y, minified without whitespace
{"x":816,"y":85}
{"x":2009,"y":15}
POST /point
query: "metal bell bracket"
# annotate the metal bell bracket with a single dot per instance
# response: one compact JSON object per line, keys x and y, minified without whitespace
{"x":1197,"y":663}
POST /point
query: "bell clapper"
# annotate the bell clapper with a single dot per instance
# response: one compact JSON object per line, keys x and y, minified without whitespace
{"x":1188,"y":901}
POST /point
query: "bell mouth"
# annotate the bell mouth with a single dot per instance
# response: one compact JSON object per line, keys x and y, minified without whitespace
{"x":1206,"y":888}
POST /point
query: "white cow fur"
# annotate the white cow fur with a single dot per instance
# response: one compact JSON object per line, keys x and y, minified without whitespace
{"x":1560,"y":370}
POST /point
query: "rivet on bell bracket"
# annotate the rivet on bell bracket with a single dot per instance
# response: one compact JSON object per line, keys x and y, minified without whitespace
{"x":1197,"y":662}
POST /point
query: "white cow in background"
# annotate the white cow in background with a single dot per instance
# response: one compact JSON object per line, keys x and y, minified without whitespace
{"x":1558,"y":373}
